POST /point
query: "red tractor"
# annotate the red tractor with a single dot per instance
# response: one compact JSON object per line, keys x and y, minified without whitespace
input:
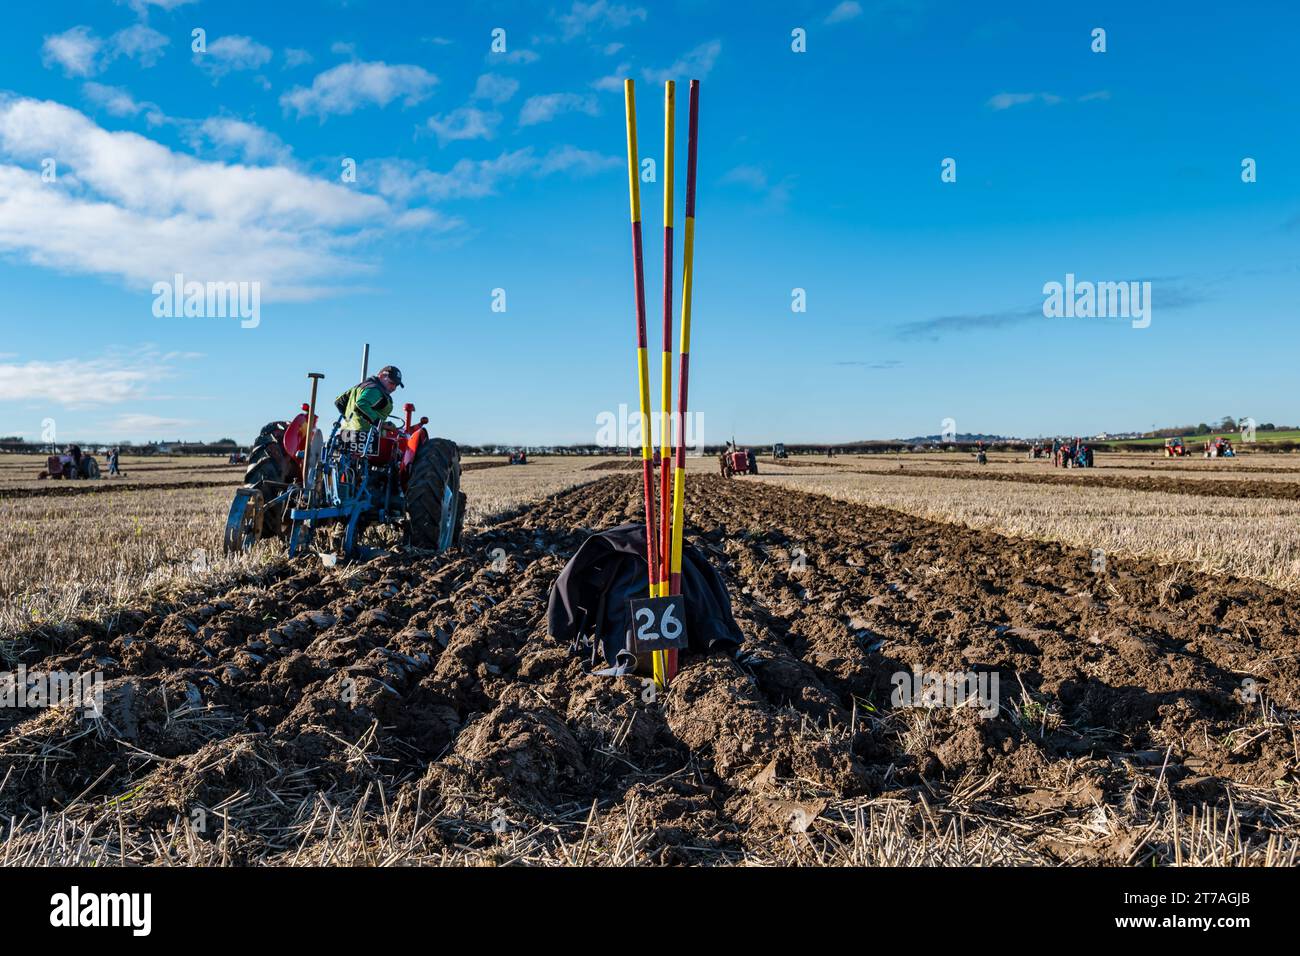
{"x":1174,"y":448}
{"x":737,"y":461}
{"x":71,"y":465}
{"x":391,"y":477}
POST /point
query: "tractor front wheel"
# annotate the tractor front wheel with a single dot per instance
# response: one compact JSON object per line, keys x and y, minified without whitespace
{"x":244,"y":524}
{"x":435,"y":505}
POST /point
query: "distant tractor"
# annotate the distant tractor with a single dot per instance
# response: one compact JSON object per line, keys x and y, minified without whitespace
{"x":778,"y":452}
{"x":71,"y":465}
{"x":1219,"y":448}
{"x":1174,"y":448}
{"x":519,"y":457}
{"x":353,"y":484}
{"x":738,"y":461}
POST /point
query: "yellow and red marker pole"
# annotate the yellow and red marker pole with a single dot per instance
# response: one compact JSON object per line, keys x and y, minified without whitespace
{"x":670,"y":113}
{"x":643,"y":361}
{"x":666,"y":393}
{"x":688,"y":282}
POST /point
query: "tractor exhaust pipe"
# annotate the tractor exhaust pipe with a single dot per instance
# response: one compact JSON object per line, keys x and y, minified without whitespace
{"x":365,"y":362}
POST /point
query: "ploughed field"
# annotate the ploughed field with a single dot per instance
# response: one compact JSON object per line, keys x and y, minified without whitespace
{"x":413,"y":710}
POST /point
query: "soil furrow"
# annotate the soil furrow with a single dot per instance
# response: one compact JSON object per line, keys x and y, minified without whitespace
{"x":432,"y":677}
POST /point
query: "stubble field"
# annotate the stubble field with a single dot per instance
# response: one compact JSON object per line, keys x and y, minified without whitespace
{"x":1147,"y":710}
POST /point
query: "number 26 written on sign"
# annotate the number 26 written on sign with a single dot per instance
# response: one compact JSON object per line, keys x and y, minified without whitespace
{"x":658,"y":623}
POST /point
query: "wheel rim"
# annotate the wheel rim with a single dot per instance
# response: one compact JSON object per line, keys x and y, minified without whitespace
{"x":244,"y":525}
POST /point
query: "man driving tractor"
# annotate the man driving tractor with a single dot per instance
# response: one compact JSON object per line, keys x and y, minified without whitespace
{"x":368,"y":403}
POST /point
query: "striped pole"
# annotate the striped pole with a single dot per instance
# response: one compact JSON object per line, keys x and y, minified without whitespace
{"x":642,"y":361}
{"x":666,"y":395}
{"x":688,"y":281}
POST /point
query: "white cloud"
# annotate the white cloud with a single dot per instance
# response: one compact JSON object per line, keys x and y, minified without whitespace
{"x":494,"y":87}
{"x":545,"y":107}
{"x":80,"y":52}
{"x":580,"y":162}
{"x":294,"y":58}
{"x":600,"y":13}
{"x":119,"y":102}
{"x":141,"y":7}
{"x":612,"y":48}
{"x":467,"y":122}
{"x":776,"y":195}
{"x":349,"y":86}
{"x":843,"y":12}
{"x":750,"y":176}
{"x":128,"y":207}
{"x":139,"y":42}
{"x":75,"y":50}
{"x":249,"y":142}
{"x":695,"y":65}
{"x":1004,"y":101}
{"x":139,"y":425}
{"x":474,"y":179}
{"x":516,"y":56}
{"x":78,"y":383}
{"x":614,"y":82}
{"x":468,"y":179}
{"x":232,"y":53}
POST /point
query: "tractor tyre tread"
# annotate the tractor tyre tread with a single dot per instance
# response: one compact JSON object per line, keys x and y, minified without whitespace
{"x":436,"y":466}
{"x":270,"y":469}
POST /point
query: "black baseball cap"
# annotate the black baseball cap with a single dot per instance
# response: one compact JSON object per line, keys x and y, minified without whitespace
{"x":394,"y":373}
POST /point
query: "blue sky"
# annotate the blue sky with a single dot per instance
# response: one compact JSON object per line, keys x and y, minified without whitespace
{"x":818,"y":170}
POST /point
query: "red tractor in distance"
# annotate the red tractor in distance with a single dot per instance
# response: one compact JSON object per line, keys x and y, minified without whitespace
{"x":737,"y":461}
{"x":71,"y":465}
{"x":392,"y":477}
{"x":1174,"y":448}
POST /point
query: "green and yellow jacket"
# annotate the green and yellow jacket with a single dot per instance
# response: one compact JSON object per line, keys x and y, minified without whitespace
{"x":364,"y":405}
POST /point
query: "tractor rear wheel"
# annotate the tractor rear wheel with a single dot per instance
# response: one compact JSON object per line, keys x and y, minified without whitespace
{"x":434,"y":503}
{"x":89,"y":468}
{"x":271,"y":471}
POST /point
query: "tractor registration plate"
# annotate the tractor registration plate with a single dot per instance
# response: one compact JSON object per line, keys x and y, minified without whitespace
{"x":658,"y":624}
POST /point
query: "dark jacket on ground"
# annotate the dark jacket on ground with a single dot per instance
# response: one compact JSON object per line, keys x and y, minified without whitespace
{"x":591,"y":595}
